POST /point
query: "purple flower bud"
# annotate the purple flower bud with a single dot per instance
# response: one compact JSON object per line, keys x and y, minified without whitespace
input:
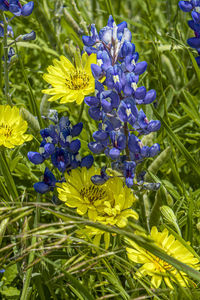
{"x":95,"y":147}
{"x":100,"y":135}
{"x":145,"y":151}
{"x":154,"y":150}
{"x":27,"y":9}
{"x":140,"y":68}
{"x":87,"y":161}
{"x":96,"y":71}
{"x":49,"y":148}
{"x":196,"y":17}
{"x":35,"y":157}
{"x":186,"y":6}
{"x":140,"y":93}
{"x":92,"y":101}
{"x":75,"y":146}
{"x":198,"y":60}
{"x":41,"y":187}
{"x":29,"y":36}
{"x":76,"y":129}
{"x":129,"y":182}
{"x":154,"y":126}
{"x":194,"y":42}
{"x":95,"y":113}
{"x":194,"y":26}
{"x":114,"y":153}
{"x":150,"y":97}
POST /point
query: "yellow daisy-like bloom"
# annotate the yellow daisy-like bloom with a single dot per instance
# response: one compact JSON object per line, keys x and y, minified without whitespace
{"x":69,"y":82}
{"x":109,"y":204}
{"x":12,"y":127}
{"x":156,"y":267}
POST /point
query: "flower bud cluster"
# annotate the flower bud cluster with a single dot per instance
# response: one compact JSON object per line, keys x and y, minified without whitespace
{"x":117,"y":97}
{"x":193,"y":6}
{"x":15,"y":7}
{"x":59,"y":145}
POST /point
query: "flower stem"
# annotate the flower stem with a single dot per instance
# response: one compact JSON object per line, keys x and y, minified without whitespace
{"x":6,"y":73}
{"x":126,"y":134}
{"x":81,"y":112}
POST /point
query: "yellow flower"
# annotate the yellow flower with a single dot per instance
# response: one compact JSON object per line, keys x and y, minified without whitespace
{"x":156,"y":267}
{"x":12,"y":127}
{"x":69,"y":82}
{"x":109,"y":204}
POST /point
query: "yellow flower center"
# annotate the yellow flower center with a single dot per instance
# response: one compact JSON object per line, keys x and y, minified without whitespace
{"x":93,"y":193}
{"x":161,"y":264}
{"x":77,"y":80}
{"x":5,"y":130}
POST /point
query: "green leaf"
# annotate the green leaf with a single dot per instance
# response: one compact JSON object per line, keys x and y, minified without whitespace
{"x":179,"y":144}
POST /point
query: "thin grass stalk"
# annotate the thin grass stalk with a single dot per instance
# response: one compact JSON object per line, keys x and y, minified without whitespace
{"x":32,"y":102}
{"x":27,"y":277}
{"x":5,"y":50}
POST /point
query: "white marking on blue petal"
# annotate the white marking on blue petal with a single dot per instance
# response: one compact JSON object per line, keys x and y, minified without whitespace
{"x":49,"y":139}
{"x":134,"y":86}
{"x":41,"y":150}
{"x":115,"y":78}
{"x":128,"y":112}
{"x":69,"y":138}
{"x":99,"y":62}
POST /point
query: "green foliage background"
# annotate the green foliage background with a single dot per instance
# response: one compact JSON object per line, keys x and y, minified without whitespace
{"x":40,"y":251}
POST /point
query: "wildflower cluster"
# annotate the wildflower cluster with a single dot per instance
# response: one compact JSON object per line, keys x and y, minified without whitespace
{"x":158,"y":269}
{"x":58,"y":144}
{"x":109,"y":204}
{"x":193,"y":6}
{"x":15,"y":7}
{"x":114,"y":105}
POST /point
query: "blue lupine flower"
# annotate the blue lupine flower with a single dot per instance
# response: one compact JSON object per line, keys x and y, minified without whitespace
{"x":87,"y":161}
{"x":118,"y":142}
{"x":59,"y":145}
{"x":48,"y":183}
{"x":193,"y":6}
{"x":115,"y":78}
{"x":29,"y":36}
{"x":127,"y":111}
{"x":129,"y":168}
{"x":115,"y":102}
{"x":4,"y":5}
{"x":130,"y":85}
{"x":143,"y":126}
{"x":11,"y":53}
{"x":60,"y":159}
{"x":15,"y":7}
{"x":109,"y":100}
{"x":9,"y":29}
{"x":100,"y":179}
{"x":35,"y":157}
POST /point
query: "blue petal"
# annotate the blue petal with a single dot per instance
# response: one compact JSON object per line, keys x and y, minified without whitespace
{"x":95,"y":147}
{"x":87,"y":161}
{"x":41,"y":187}
{"x":114,"y":153}
{"x":27,"y":9}
{"x":185,"y":6}
{"x":76,"y":129}
{"x":35,"y":157}
{"x":75,"y":146}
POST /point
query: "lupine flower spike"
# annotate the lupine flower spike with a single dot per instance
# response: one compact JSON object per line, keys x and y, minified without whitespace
{"x":118,"y":96}
{"x":193,"y":6}
{"x":59,"y":145}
